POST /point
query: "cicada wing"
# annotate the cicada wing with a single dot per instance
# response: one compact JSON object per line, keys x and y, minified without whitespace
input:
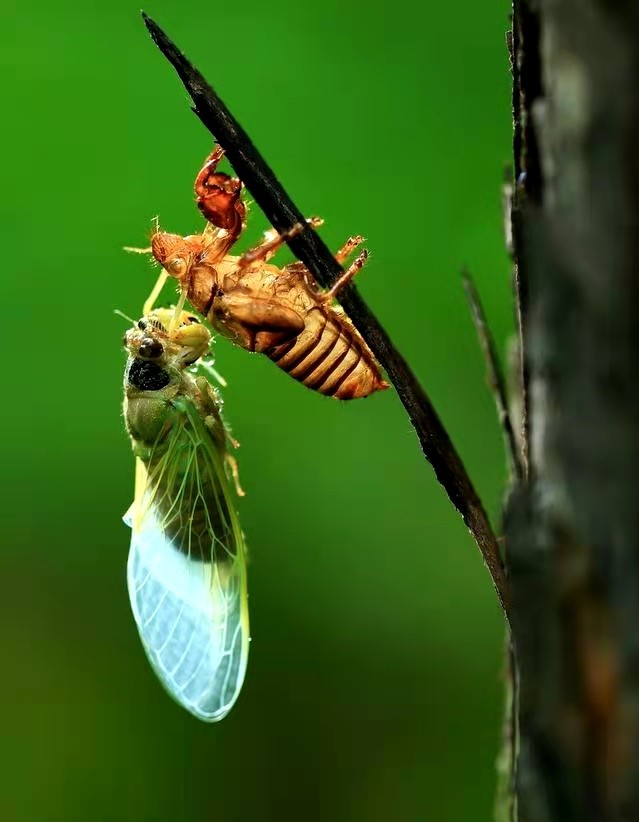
{"x":191,"y":614}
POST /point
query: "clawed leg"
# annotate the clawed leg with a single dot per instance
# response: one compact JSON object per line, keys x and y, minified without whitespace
{"x":347,"y":249}
{"x":220,"y":432}
{"x":242,"y":316}
{"x":147,"y":308}
{"x":149,"y":303}
{"x":210,"y":164}
{"x":347,"y":276}
{"x":157,"y":288}
{"x":179,"y":308}
{"x":231,"y":463}
{"x":274,"y":241}
{"x":340,"y":256}
{"x":219,"y":197}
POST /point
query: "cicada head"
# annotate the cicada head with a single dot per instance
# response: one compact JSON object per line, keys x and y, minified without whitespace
{"x":175,"y":254}
{"x":167,"y":340}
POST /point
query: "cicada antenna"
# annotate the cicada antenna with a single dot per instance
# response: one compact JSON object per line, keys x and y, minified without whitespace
{"x":159,"y":283}
{"x":123,"y":315}
{"x":133,"y":250}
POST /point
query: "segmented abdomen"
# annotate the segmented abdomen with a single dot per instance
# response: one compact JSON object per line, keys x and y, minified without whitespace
{"x":329,"y":356}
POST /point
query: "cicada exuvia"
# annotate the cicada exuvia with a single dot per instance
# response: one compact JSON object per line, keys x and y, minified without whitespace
{"x":187,"y":561}
{"x":279,"y":312}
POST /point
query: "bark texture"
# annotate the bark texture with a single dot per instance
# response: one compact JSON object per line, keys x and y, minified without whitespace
{"x":572,"y":525}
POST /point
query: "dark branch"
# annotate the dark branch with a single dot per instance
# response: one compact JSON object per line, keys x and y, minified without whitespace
{"x":280,"y":210}
{"x":495,"y":376}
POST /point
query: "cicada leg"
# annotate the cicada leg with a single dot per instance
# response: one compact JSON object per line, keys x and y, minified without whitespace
{"x":159,"y":285}
{"x":358,"y":263}
{"x":340,"y":256}
{"x":155,"y":293}
{"x":273,"y":241}
{"x":347,"y":249}
{"x":253,"y":321}
{"x":214,"y":422}
{"x":179,"y":307}
{"x":219,"y":197}
{"x":231,"y":463}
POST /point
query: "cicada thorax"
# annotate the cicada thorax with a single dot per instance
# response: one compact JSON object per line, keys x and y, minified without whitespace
{"x":148,"y":412}
{"x":184,"y":491}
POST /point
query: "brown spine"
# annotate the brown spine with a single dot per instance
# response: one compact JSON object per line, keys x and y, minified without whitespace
{"x":330,"y":357}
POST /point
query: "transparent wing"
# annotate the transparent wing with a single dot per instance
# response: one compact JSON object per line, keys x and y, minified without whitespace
{"x":187,"y":574}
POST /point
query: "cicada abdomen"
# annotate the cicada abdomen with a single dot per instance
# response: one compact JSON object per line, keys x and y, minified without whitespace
{"x":187,"y":561}
{"x":328,"y":357}
{"x":279,"y":312}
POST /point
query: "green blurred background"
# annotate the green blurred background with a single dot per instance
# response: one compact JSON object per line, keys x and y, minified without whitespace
{"x":374,"y":683}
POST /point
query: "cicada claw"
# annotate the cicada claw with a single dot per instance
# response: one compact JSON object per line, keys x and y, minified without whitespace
{"x":219,"y":196}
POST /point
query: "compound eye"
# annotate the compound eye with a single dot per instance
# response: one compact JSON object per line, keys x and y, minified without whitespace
{"x":150,"y":349}
{"x":177,"y":267}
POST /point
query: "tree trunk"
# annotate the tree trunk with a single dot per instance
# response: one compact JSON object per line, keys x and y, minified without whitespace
{"x":572,"y":525}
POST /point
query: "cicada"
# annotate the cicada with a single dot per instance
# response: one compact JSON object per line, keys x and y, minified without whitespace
{"x":187,"y":561}
{"x":279,"y":312}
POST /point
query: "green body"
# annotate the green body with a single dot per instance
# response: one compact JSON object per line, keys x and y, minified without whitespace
{"x":178,"y":434}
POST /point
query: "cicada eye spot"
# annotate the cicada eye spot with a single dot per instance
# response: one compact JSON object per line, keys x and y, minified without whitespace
{"x":177,"y":267}
{"x":150,"y":349}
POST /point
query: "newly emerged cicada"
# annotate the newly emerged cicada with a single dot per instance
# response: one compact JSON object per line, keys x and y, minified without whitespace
{"x":187,"y":561}
{"x":279,"y":312}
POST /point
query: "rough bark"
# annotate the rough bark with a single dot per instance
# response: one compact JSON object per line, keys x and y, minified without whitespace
{"x":572,"y":526}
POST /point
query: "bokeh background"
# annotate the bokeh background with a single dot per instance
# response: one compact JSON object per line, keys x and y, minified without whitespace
{"x":374,"y":685}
